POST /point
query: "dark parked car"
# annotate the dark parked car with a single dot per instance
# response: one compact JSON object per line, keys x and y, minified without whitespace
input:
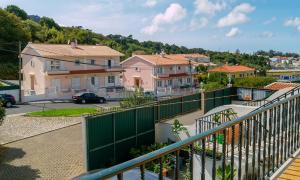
{"x":88,"y":98}
{"x":7,"y":100}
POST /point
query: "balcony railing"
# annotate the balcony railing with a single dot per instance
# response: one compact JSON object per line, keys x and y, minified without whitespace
{"x":253,"y":146}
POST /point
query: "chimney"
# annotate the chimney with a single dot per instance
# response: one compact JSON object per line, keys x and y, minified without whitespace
{"x":74,"y":44}
{"x":162,"y":54}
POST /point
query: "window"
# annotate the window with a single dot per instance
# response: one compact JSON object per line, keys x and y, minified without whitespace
{"x":178,"y":67}
{"x":77,"y":62}
{"x":170,"y":82}
{"x":171,"y":68}
{"x":137,"y":69}
{"x":111,"y":79}
{"x":32,"y":63}
{"x":93,"y":81}
{"x":159,"y":70}
{"x":109,"y":63}
{"x":180,"y":81}
{"x":92,"y":62}
{"x":159,"y":83}
{"x":54,"y":65}
{"x":75,"y":83}
{"x":188,"y":80}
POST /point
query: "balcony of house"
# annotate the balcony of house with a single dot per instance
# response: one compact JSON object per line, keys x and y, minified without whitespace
{"x":57,"y":70}
{"x":173,"y":71}
{"x":257,"y":145}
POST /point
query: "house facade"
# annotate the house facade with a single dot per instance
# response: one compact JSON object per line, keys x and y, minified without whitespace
{"x":161,"y":74}
{"x":52,"y":71}
{"x":235,"y":71}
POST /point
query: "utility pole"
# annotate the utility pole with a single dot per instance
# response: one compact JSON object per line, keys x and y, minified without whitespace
{"x":191,"y":77}
{"x":20,"y":74}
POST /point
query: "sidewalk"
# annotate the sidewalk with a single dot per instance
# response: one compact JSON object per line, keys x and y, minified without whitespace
{"x":54,"y":155}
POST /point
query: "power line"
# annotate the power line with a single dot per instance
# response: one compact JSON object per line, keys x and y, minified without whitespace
{"x":70,"y":61}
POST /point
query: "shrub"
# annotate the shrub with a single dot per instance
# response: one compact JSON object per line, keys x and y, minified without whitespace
{"x":253,"y":82}
{"x":136,"y":99}
{"x":213,"y":86}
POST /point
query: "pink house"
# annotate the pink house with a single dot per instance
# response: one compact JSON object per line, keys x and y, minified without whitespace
{"x":57,"y":71}
{"x":161,"y":74}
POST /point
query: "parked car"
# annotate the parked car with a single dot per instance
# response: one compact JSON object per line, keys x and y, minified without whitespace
{"x":7,"y":100}
{"x":88,"y":98}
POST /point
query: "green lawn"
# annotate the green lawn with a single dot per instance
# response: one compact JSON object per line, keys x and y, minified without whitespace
{"x":67,"y":112}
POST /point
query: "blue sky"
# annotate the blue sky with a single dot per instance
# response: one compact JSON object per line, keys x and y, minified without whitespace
{"x":224,"y":25}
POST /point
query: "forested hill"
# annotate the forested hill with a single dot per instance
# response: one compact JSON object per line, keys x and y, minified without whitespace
{"x":17,"y":25}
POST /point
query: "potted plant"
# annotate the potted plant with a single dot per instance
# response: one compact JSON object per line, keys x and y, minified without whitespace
{"x":177,"y":128}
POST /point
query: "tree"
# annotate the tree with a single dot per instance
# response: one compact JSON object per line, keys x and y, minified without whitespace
{"x":17,"y":11}
{"x":35,"y":30}
{"x":12,"y":28}
{"x":49,"y":22}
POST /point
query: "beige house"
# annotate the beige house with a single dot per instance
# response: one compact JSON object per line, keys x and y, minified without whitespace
{"x":234,"y":71}
{"x":58,"y":71}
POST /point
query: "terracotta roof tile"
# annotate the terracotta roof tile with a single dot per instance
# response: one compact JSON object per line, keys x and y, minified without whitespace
{"x":169,"y":59}
{"x":281,"y":85}
{"x":228,"y":68}
{"x":58,"y":50}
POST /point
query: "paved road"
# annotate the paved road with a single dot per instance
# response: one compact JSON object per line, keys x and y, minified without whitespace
{"x":54,"y":155}
{"x":37,"y":107}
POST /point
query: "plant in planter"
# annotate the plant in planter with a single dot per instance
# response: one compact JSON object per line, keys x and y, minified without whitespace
{"x":178,"y":127}
{"x":154,"y":165}
{"x":186,"y":174}
{"x":227,"y":172}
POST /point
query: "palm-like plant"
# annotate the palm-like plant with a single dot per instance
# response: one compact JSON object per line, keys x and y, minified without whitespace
{"x":227,"y":172}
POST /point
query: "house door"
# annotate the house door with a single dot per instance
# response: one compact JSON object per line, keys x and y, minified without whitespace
{"x":56,"y":85}
{"x":32,"y":82}
{"x":137,"y":82}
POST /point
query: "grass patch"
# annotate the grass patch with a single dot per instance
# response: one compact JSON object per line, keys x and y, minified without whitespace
{"x":67,"y":112}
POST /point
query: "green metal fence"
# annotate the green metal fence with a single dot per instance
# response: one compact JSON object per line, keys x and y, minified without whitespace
{"x":219,"y":97}
{"x":109,"y":137}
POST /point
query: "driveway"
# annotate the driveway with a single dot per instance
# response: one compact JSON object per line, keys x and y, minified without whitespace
{"x":18,"y":109}
{"x":54,"y":155}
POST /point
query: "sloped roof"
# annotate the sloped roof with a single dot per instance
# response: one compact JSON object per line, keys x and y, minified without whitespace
{"x":281,"y":85}
{"x":227,"y":69}
{"x":58,"y":50}
{"x":167,"y":59}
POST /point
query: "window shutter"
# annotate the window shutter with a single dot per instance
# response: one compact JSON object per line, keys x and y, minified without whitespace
{"x":96,"y":81}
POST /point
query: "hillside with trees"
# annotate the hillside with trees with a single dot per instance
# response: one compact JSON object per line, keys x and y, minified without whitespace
{"x":17,"y":25}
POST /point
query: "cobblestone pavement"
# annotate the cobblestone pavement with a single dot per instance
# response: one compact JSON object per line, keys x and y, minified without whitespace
{"x":55,"y":155}
{"x":19,"y":127}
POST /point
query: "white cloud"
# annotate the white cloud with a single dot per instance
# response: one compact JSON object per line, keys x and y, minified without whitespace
{"x":233,"y":32}
{"x":237,"y":16}
{"x":151,"y":3}
{"x":209,"y":7}
{"x":269,"y":21}
{"x":174,"y":13}
{"x":198,"y":23}
{"x":293,"y":22}
{"x":267,"y":34}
